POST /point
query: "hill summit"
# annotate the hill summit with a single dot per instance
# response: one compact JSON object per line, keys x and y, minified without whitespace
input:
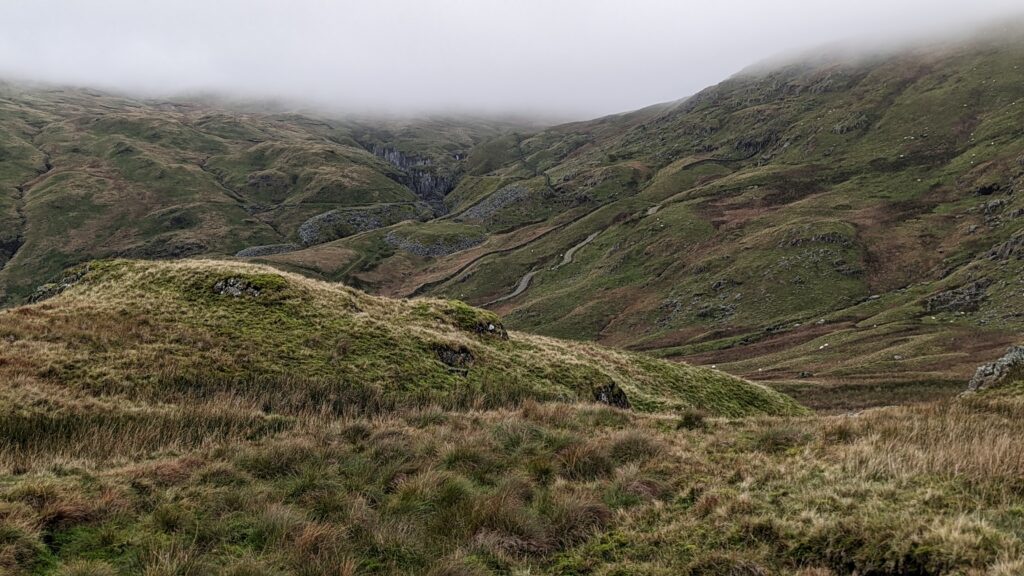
{"x":160,"y":331}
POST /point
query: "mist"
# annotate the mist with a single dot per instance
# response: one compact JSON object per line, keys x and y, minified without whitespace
{"x":571,"y":58}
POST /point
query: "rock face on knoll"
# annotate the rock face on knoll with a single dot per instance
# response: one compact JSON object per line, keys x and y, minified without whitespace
{"x":1003,"y":371}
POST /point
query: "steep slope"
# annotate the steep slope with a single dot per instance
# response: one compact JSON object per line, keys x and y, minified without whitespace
{"x":86,"y":174}
{"x":851,"y":220}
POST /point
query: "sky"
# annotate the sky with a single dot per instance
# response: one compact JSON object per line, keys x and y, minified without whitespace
{"x":570,"y":58}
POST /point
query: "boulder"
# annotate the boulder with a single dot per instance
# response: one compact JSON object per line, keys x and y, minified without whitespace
{"x":459,"y":358}
{"x":1004,"y":370}
{"x":611,"y":395}
{"x":236,"y":288}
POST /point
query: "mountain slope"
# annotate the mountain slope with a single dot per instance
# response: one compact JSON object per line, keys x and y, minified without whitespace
{"x":86,"y":174}
{"x":828,"y":225}
{"x":856,"y":220}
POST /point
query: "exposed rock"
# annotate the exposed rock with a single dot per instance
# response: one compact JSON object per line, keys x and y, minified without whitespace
{"x":1012,"y":248}
{"x":987,"y":189}
{"x":323,"y":227}
{"x":502,"y":198}
{"x":236,"y":287}
{"x":723,"y":283}
{"x":668,"y":310}
{"x":994,"y":206}
{"x":854,"y":123}
{"x":8,"y":248}
{"x":966,"y":298}
{"x":431,"y":184}
{"x":716,"y":311}
{"x":47,"y":291}
{"x":492,"y":329}
{"x":336,"y":224}
{"x":824,"y":238}
{"x":435,"y":249}
{"x":1004,"y":370}
{"x":845,"y":268}
{"x":611,"y":395}
{"x":459,"y":359}
{"x":268,"y":250}
{"x":755,"y":143}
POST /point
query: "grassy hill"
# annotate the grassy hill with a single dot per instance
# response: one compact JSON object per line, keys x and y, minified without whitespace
{"x":205,"y":417}
{"x":845,"y":228}
{"x":832,"y":225}
{"x":87,"y":175}
{"x":156,"y":331}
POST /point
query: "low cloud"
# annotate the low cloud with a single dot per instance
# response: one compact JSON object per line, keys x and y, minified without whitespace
{"x":575,"y":58}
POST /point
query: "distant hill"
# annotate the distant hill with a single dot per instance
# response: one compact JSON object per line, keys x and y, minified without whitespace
{"x":86,"y":174}
{"x":828,"y":224}
{"x":838,"y":221}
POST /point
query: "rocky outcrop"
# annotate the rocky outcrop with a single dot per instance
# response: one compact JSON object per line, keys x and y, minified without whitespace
{"x":337,"y":224}
{"x":8,"y":248}
{"x":966,"y":298}
{"x":69,"y":279}
{"x":236,"y":288}
{"x":824,"y":238}
{"x":1012,"y":248}
{"x":433,"y":250}
{"x":1007,"y":369}
{"x":458,"y":359}
{"x":268,"y":250}
{"x":502,"y":198}
{"x":853,"y":123}
{"x":430,"y":183}
{"x":611,"y":395}
{"x":494,"y":329}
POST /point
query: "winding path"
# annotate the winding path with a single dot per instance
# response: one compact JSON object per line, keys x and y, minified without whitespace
{"x":567,"y":259}
{"x":524,"y":283}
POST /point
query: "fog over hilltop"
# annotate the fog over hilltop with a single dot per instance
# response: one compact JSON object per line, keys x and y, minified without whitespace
{"x":573,"y":58}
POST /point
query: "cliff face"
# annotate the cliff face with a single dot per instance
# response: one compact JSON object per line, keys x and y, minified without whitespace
{"x":430,"y":182}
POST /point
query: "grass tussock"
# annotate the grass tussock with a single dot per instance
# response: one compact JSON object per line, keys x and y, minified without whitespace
{"x":547,"y":488}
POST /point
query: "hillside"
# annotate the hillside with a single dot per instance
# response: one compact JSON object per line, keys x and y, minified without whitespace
{"x":195,"y":330}
{"x":202,"y":417}
{"x":86,"y":174}
{"x":829,"y":225}
{"x":847,"y":229}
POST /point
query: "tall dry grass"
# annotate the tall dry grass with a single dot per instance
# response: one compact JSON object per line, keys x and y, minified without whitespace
{"x":976,"y":441}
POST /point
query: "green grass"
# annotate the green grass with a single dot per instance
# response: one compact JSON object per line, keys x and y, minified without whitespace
{"x":323,"y":342}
